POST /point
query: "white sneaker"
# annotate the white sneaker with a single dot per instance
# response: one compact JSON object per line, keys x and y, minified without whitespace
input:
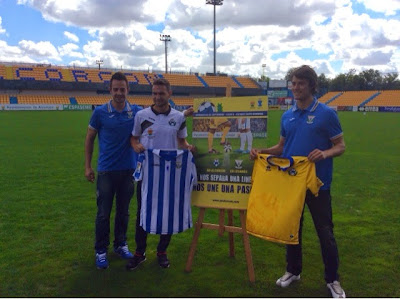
{"x":287,"y":279}
{"x":336,"y":289}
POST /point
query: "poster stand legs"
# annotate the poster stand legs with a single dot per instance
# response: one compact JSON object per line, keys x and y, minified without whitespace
{"x":221,"y":228}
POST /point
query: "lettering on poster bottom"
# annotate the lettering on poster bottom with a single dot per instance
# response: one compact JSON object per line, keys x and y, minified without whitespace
{"x":240,"y":179}
{"x":225,"y":178}
{"x":224,"y":188}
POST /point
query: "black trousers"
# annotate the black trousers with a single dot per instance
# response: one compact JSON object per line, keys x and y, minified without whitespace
{"x":109,"y":184}
{"x":321,"y":211}
{"x":141,"y":234}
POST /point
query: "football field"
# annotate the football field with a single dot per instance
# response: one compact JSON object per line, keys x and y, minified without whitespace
{"x":48,"y":210}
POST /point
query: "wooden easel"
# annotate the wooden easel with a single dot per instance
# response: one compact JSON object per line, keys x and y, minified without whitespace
{"x":221,"y":227}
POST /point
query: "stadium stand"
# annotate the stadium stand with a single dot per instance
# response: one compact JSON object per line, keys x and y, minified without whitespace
{"x":37,"y":73}
{"x":386,"y":98}
{"x":352,"y":98}
{"x":139,"y":100}
{"x":183,"y":80}
{"x":220,"y":81}
{"x":4,"y":99}
{"x":247,"y":82}
{"x":328,"y":96}
{"x":32,"y":72}
{"x":42,"y":99}
{"x":2,"y":72}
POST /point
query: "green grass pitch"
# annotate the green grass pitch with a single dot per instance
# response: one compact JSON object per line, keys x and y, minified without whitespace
{"x":48,"y":210}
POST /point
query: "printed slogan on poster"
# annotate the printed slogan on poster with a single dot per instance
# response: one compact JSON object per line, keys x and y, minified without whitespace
{"x":224,"y":131}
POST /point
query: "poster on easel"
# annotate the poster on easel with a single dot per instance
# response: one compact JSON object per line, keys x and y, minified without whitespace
{"x":224,"y":131}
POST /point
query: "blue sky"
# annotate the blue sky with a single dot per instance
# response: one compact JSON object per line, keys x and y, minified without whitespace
{"x":332,"y":36}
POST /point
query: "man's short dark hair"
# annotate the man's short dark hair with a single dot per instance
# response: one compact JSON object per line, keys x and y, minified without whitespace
{"x":307,"y":73}
{"x":119,"y":76}
{"x":163,"y":82}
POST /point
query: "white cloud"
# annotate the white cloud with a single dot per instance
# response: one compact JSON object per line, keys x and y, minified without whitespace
{"x":70,"y":50}
{"x":388,"y":7}
{"x":13,"y":54}
{"x":42,"y":50}
{"x":71,"y":36}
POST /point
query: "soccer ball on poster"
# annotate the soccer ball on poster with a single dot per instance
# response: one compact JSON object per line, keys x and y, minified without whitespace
{"x":227,"y":148}
{"x":207,"y":108}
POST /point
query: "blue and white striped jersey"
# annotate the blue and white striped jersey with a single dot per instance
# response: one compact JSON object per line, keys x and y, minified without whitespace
{"x":168,"y":177}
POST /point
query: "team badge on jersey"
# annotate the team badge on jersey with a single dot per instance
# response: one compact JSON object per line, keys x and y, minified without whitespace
{"x":130,"y":114}
{"x":310,"y":119}
{"x":178,"y":164}
{"x":268,"y":168}
{"x":172,"y":122}
{"x":292,"y":172}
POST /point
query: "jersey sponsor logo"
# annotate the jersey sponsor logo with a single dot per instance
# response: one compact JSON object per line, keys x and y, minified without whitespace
{"x":310,"y":119}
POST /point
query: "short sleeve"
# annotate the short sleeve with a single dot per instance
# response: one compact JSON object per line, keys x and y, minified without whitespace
{"x":334,"y":127}
{"x":137,"y":128}
{"x":182,"y":132}
{"x":94,"y":122}
{"x":313,"y":182}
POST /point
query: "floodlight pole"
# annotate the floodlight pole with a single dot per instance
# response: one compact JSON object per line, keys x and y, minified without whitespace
{"x":99,"y":62}
{"x":214,"y":2}
{"x":263,"y":67}
{"x":165,"y":38}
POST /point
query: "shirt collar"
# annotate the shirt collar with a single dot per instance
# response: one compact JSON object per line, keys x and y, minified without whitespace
{"x":310,"y":108}
{"x":111,"y":109}
{"x":158,"y":113}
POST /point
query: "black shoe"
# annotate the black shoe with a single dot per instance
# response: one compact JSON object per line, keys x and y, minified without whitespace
{"x":163,"y":260}
{"x":135,"y":261}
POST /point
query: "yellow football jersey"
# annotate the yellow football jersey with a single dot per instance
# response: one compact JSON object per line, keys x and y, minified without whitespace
{"x":277,"y":196}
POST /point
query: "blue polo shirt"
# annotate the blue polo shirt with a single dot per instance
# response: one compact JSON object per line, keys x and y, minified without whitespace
{"x":114,"y":130}
{"x":306,"y":130}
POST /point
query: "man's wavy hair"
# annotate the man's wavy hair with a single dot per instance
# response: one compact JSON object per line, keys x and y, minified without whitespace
{"x":305,"y":72}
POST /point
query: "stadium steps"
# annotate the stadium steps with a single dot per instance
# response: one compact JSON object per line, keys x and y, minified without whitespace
{"x":9,"y":73}
{"x":73,"y":101}
{"x":13,"y":100}
{"x":333,"y":98}
{"x":370,"y":99}
{"x":237,"y":82}
{"x":149,"y":78}
{"x":202,"y":80}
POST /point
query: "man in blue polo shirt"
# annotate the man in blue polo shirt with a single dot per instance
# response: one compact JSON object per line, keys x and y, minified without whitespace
{"x":313,"y":130}
{"x":113,"y":122}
